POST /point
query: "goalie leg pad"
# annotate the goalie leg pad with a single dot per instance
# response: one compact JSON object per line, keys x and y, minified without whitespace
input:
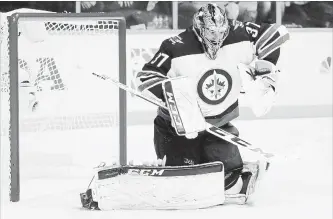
{"x":142,"y":187}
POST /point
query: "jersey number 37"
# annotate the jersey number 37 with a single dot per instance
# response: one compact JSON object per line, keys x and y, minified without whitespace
{"x":160,"y":59}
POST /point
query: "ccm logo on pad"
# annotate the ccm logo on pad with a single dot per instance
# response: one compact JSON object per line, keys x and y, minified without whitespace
{"x":146,"y":172}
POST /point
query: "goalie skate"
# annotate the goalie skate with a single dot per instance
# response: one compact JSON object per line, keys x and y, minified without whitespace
{"x":249,"y":177}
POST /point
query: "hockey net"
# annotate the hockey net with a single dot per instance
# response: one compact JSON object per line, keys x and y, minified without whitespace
{"x":69,"y":121}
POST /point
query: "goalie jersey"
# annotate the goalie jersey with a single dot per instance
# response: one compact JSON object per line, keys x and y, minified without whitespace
{"x":217,"y":83}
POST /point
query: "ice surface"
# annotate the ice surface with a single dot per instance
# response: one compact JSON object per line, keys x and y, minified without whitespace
{"x":298,"y":185}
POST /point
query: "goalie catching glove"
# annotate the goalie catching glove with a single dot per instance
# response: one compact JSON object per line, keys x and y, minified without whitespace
{"x":259,"y":83}
{"x":185,"y":113}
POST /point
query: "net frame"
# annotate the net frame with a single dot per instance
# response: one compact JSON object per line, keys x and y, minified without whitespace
{"x":14,"y":129}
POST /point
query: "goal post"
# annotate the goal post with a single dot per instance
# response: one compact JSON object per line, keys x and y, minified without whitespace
{"x":68,"y":57}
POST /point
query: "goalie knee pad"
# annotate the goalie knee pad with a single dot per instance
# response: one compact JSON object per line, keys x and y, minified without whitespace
{"x":225,"y":152}
{"x":216,"y":149}
{"x":179,"y":150}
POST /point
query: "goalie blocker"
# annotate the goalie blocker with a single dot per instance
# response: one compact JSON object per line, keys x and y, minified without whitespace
{"x":185,"y":113}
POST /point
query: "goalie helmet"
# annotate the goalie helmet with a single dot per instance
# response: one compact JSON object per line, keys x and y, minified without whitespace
{"x":211,"y":26}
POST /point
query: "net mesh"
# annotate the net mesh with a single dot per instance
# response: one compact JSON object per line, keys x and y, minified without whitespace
{"x":69,"y":120}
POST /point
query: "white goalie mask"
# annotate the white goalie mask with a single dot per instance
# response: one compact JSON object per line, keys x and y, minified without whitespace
{"x":211,"y":26}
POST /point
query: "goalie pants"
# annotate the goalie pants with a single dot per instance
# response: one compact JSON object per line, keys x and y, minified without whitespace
{"x":205,"y":148}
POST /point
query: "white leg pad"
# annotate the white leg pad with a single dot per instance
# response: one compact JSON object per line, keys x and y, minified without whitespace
{"x":160,"y":188}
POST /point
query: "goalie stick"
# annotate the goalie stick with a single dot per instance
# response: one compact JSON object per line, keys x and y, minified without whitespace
{"x":209,"y":127}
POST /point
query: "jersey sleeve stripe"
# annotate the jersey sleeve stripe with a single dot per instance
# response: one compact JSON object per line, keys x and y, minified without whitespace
{"x":277,"y":43}
{"x":266,"y":36}
{"x":150,"y":83}
{"x":266,"y":44}
{"x":143,"y":74}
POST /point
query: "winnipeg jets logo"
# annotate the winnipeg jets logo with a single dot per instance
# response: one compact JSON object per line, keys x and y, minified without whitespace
{"x":214,"y":86}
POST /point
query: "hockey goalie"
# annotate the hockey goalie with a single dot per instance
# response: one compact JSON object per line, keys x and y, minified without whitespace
{"x":199,"y":75}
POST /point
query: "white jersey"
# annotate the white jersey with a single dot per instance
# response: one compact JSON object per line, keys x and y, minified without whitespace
{"x":217,"y":83}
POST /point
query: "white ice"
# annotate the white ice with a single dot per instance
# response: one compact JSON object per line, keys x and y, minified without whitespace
{"x":57,"y":166}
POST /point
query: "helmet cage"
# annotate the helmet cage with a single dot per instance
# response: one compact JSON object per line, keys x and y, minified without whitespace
{"x":213,"y":39}
{"x":211,"y":31}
